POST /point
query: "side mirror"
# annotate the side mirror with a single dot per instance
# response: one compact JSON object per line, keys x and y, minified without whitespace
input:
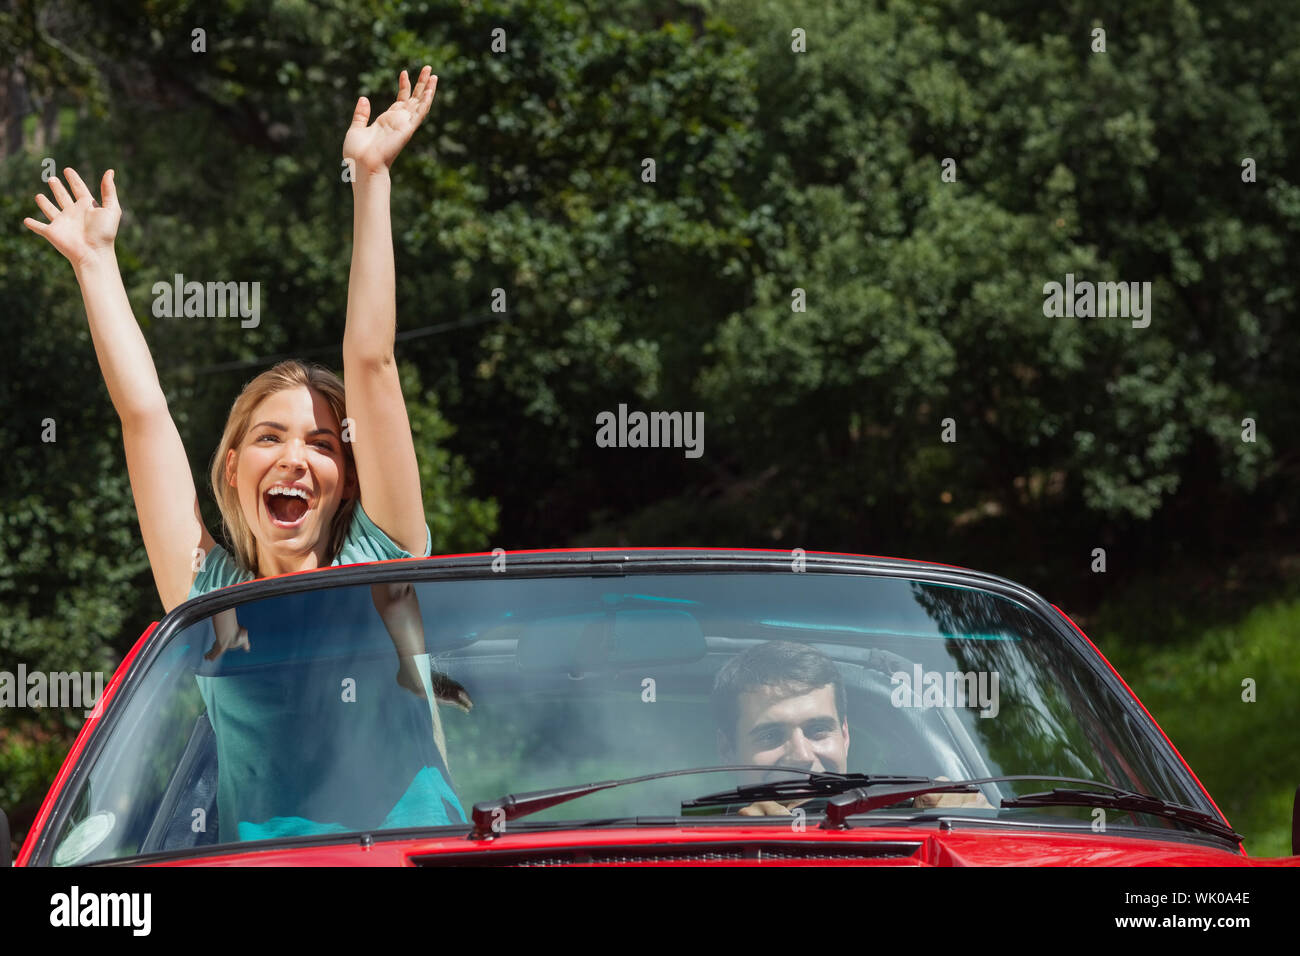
{"x":5,"y":851}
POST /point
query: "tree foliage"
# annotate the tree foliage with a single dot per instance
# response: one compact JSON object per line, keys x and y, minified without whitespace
{"x":774,"y":171}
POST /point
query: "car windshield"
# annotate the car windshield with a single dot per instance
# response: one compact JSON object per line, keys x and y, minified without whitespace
{"x":360,"y":708}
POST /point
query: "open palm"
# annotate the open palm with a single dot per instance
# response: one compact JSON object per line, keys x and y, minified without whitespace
{"x":79,"y":227}
{"x":373,"y":147}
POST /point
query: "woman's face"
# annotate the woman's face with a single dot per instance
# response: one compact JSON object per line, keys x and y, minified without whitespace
{"x":290,"y":471}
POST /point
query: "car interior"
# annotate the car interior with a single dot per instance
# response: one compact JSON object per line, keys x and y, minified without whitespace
{"x":586,"y":701}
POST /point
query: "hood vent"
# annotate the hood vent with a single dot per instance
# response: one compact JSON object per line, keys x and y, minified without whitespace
{"x":728,"y":852}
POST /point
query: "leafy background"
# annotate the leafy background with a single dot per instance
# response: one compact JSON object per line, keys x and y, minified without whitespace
{"x":775,"y":171}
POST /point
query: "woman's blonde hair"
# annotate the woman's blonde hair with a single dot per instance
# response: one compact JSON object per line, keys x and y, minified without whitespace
{"x":285,"y":375}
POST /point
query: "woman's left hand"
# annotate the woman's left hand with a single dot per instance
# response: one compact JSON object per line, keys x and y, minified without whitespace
{"x":372,"y":148}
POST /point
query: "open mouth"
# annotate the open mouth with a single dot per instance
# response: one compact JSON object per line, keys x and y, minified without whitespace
{"x":286,"y":506}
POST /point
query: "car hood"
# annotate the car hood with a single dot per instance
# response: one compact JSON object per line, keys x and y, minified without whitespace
{"x":760,"y":844}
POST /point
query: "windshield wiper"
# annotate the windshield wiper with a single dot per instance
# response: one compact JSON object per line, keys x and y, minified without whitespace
{"x":1127,"y":801}
{"x":841,"y":807}
{"x":818,"y":784}
{"x":849,"y":794}
{"x":490,"y":816}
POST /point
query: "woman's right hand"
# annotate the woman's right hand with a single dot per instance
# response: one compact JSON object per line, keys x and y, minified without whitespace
{"x":161,"y":481}
{"x":79,"y":227}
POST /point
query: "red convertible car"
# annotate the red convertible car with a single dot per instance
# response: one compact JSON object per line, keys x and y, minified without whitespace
{"x":736,"y":707}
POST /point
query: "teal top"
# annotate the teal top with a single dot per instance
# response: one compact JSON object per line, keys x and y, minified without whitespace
{"x":256,"y":738}
{"x":365,"y":542}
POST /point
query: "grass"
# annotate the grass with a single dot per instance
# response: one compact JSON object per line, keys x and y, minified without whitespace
{"x":1246,"y":753}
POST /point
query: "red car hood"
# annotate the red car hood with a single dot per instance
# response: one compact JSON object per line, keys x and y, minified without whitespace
{"x":759,"y":844}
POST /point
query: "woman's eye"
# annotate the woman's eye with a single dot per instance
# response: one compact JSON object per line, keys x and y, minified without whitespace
{"x":265,"y":437}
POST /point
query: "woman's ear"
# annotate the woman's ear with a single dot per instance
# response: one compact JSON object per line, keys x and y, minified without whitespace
{"x":232,"y":459}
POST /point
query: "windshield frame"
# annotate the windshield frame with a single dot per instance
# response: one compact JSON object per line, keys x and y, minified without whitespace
{"x":601,"y":563}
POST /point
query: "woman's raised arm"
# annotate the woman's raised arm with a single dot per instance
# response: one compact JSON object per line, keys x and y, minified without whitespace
{"x":382,"y":447}
{"x":165,"y":500}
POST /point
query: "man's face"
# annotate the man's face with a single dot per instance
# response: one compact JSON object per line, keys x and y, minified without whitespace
{"x":792,"y":728}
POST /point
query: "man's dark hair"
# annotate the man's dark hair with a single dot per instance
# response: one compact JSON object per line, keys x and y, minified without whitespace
{"x":794,"y":667}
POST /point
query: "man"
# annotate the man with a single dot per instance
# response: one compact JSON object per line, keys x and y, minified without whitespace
{"x":783,"y":704}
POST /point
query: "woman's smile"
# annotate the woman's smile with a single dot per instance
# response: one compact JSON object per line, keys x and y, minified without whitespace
{"x":287,"y":503}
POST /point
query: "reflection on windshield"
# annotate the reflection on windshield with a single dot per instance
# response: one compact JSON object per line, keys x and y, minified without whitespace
{"x":371,"y":707}
{"x":295,"y":729}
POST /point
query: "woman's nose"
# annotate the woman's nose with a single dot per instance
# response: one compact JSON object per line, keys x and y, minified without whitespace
{"x":293,"y":452}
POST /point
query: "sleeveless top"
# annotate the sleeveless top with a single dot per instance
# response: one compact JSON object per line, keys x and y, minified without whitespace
{"x":364,"y":542}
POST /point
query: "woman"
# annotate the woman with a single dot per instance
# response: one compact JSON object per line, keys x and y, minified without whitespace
{"x":285,"y":431}
{"x":303,"y":478}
